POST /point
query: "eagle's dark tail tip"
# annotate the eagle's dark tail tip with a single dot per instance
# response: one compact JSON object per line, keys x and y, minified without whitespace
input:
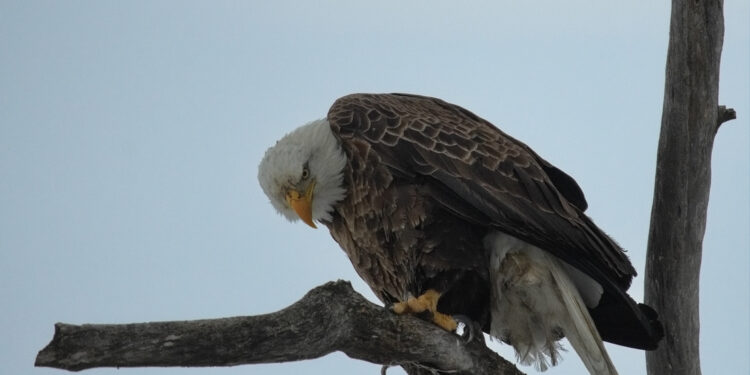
{"x":656,"y":329}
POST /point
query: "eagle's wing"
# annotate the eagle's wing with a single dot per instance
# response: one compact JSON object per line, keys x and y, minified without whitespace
{"x":482,"y":174}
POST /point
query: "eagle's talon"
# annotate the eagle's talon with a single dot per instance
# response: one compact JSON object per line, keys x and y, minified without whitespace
{"x":427,"y":301}
{"x":425,"y":307}
{"x":444,"y":321}
{"x":472,"y":329}
{"x":400,"y":308}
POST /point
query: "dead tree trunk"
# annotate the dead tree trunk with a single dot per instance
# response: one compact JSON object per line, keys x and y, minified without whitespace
{"x":691,"y":116}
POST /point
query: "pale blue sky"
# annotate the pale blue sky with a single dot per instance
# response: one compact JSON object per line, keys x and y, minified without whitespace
{"x":130,"y":134}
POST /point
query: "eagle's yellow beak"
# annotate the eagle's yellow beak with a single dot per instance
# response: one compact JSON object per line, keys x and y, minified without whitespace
{"x":302,"y":204}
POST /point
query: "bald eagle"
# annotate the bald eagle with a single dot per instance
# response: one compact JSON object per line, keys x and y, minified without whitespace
{"x":439,"y":211}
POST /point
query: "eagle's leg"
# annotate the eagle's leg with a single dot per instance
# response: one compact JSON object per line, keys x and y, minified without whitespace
{"x":426,"y":302}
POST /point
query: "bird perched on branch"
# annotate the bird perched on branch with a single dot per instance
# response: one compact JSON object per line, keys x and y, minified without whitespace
{"x":443,"y":214}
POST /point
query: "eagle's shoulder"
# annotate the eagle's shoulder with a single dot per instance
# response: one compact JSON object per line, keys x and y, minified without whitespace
{"x":447,"y":129}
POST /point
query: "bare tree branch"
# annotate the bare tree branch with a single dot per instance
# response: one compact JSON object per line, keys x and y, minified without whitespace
{"x":690,"y":118}
{"x":725,"y":114}
{"x":332,"y":317}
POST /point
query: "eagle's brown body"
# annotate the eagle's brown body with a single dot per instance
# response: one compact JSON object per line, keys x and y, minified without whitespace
{"x":412,"y":250}
{"x":427,"y":181}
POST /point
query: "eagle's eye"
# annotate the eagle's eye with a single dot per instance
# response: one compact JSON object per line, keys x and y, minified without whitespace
{"x":305,"y":173}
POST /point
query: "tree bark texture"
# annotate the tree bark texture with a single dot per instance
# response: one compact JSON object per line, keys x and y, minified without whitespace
{"x":332,"y":317}
{"x":691,"y":115}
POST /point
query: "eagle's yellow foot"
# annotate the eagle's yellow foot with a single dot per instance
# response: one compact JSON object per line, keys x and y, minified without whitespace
{"x":426,"y":302}
{"x":444,"y":321}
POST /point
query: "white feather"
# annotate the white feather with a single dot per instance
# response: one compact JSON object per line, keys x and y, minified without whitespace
{"x":590,"y":290}
{"x":580,"y":330}
{"x":535,"y":301}
{"x":312,"y":145}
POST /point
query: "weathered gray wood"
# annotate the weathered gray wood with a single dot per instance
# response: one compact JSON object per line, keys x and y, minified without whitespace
{"x":725,"y":114}
{"x":332,"y":317}
{"x":690,"y":118}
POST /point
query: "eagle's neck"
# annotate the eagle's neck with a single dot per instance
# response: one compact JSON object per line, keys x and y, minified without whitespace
{"x":326,"y":163}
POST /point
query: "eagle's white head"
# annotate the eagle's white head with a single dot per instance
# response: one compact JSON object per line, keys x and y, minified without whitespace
{"x":302,"y":174}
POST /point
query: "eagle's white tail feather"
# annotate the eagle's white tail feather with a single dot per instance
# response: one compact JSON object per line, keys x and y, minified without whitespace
{"x":541,"y":358}
{"x":535,"y":302}
{"x":581,"y":332}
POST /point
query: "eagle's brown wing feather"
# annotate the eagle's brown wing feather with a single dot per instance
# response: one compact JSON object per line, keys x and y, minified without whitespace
{"x":483,"y":175}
